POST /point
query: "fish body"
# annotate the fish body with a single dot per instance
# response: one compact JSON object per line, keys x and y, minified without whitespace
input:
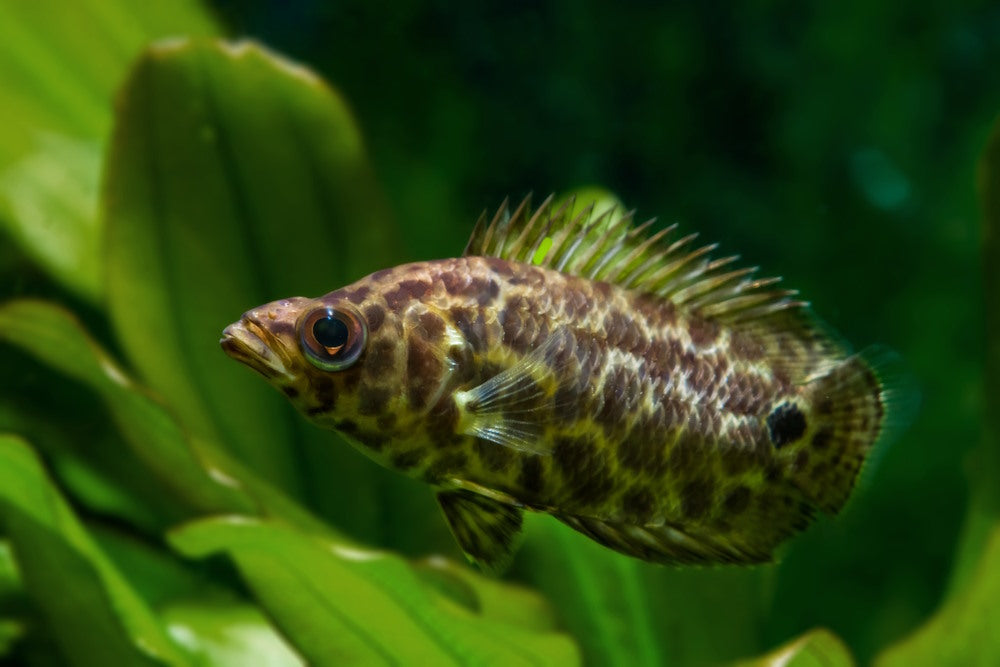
{"x":635,"y":390}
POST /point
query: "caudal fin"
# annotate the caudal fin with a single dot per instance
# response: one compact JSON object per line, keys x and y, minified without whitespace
{"x":857,"y":408}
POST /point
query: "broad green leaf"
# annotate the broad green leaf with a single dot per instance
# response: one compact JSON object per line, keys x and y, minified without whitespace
{"x":48,"y":200}
{"x":58,"y":71}
{"x":68,"y":576}
{"x":197,"y":471}
{"x":964,"y":630}
{"x":51,"y":334}
{"x":235,"y":178}
{"x":221,"y":633}
{"x":342,"y":605}
{"x":816,"y":648}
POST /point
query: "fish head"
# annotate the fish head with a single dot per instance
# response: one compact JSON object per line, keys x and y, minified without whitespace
{"x":345,"y":360}
{"x":314,"y":351}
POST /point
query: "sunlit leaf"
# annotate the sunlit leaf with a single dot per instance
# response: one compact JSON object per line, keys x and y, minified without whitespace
{"x":235,"y":177}
{"x":68,"y":576}
{"x":58,"y":70}
{"x":343,"y":605}
{"x":227,"y":634}
{"x":50,"y":209}
{"x":964,"y":630}
{"x":817,"y":648}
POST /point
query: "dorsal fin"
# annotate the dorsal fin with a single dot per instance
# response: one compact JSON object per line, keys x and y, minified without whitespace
{"x":605,"y":246}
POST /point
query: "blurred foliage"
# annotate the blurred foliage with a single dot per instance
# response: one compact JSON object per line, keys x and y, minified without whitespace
{"x":835,"y":143}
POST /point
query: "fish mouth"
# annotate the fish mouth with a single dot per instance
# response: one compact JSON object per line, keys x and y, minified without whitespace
{"x":247,"y":342}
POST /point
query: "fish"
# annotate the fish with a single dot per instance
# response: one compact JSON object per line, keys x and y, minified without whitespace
{"x":661,"y":402}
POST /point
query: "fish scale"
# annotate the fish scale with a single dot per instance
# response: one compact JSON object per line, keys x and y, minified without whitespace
{"x":648,"y":396}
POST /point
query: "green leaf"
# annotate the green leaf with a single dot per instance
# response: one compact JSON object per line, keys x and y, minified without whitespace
{"x":623,"y":610}
{"x":68,"y":576}
{"x":343,"y":605}
{"x":964,"y":630}
{"x":491,"y":598}
{"x":10,"y":578}
{"x":56,"y":88}
{"x":49,"y":204}
{"x":602,"y":595}
{"x":224,"y":633}
{"x":235,"y":177}
{"x":816,"y":648}
{"x":55,"y":337}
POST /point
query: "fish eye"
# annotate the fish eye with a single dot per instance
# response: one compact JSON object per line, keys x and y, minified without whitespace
{"x":332,"y":338}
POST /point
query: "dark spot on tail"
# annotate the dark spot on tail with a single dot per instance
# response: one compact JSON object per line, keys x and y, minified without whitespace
{"x":786,"y":424}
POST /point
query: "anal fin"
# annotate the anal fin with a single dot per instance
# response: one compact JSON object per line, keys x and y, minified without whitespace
{"x":486,"y":529}
{"x":666,"y":544}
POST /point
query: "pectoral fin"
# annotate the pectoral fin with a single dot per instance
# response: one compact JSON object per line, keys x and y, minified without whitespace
{"x":486,"y":529}
{"x":510,"y":408}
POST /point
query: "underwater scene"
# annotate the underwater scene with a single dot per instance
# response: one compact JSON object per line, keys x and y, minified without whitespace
{"x":441,"y":334}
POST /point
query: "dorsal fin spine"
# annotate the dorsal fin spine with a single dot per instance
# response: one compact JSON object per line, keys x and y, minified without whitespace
{"x":635,"y":277}
{"x":532,"y":227}
{"x":605,"y":246}
{"x":583,"y":233}
{"x":710,"y":286}
{"x":637,"y":252}
{"x":665,"y":281}
{"x":494,"y":223}
{"x":577,"y":263}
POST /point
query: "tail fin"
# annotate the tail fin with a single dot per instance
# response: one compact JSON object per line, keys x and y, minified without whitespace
{"x":857,"y":407}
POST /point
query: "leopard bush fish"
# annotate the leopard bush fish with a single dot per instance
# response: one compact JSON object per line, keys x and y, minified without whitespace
{"x":663,"y":403}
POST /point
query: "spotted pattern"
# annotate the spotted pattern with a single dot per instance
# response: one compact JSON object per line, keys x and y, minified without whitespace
{"x":648,"y":415}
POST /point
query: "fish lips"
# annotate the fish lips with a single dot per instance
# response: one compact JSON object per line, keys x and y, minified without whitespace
{"x":245,"y":341}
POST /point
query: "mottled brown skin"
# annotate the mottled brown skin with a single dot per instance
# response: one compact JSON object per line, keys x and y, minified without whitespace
{"x":650,"y":416}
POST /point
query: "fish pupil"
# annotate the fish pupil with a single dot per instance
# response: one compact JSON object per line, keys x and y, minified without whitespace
{"x":786,"y":424}
{"x":330,"y":332}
